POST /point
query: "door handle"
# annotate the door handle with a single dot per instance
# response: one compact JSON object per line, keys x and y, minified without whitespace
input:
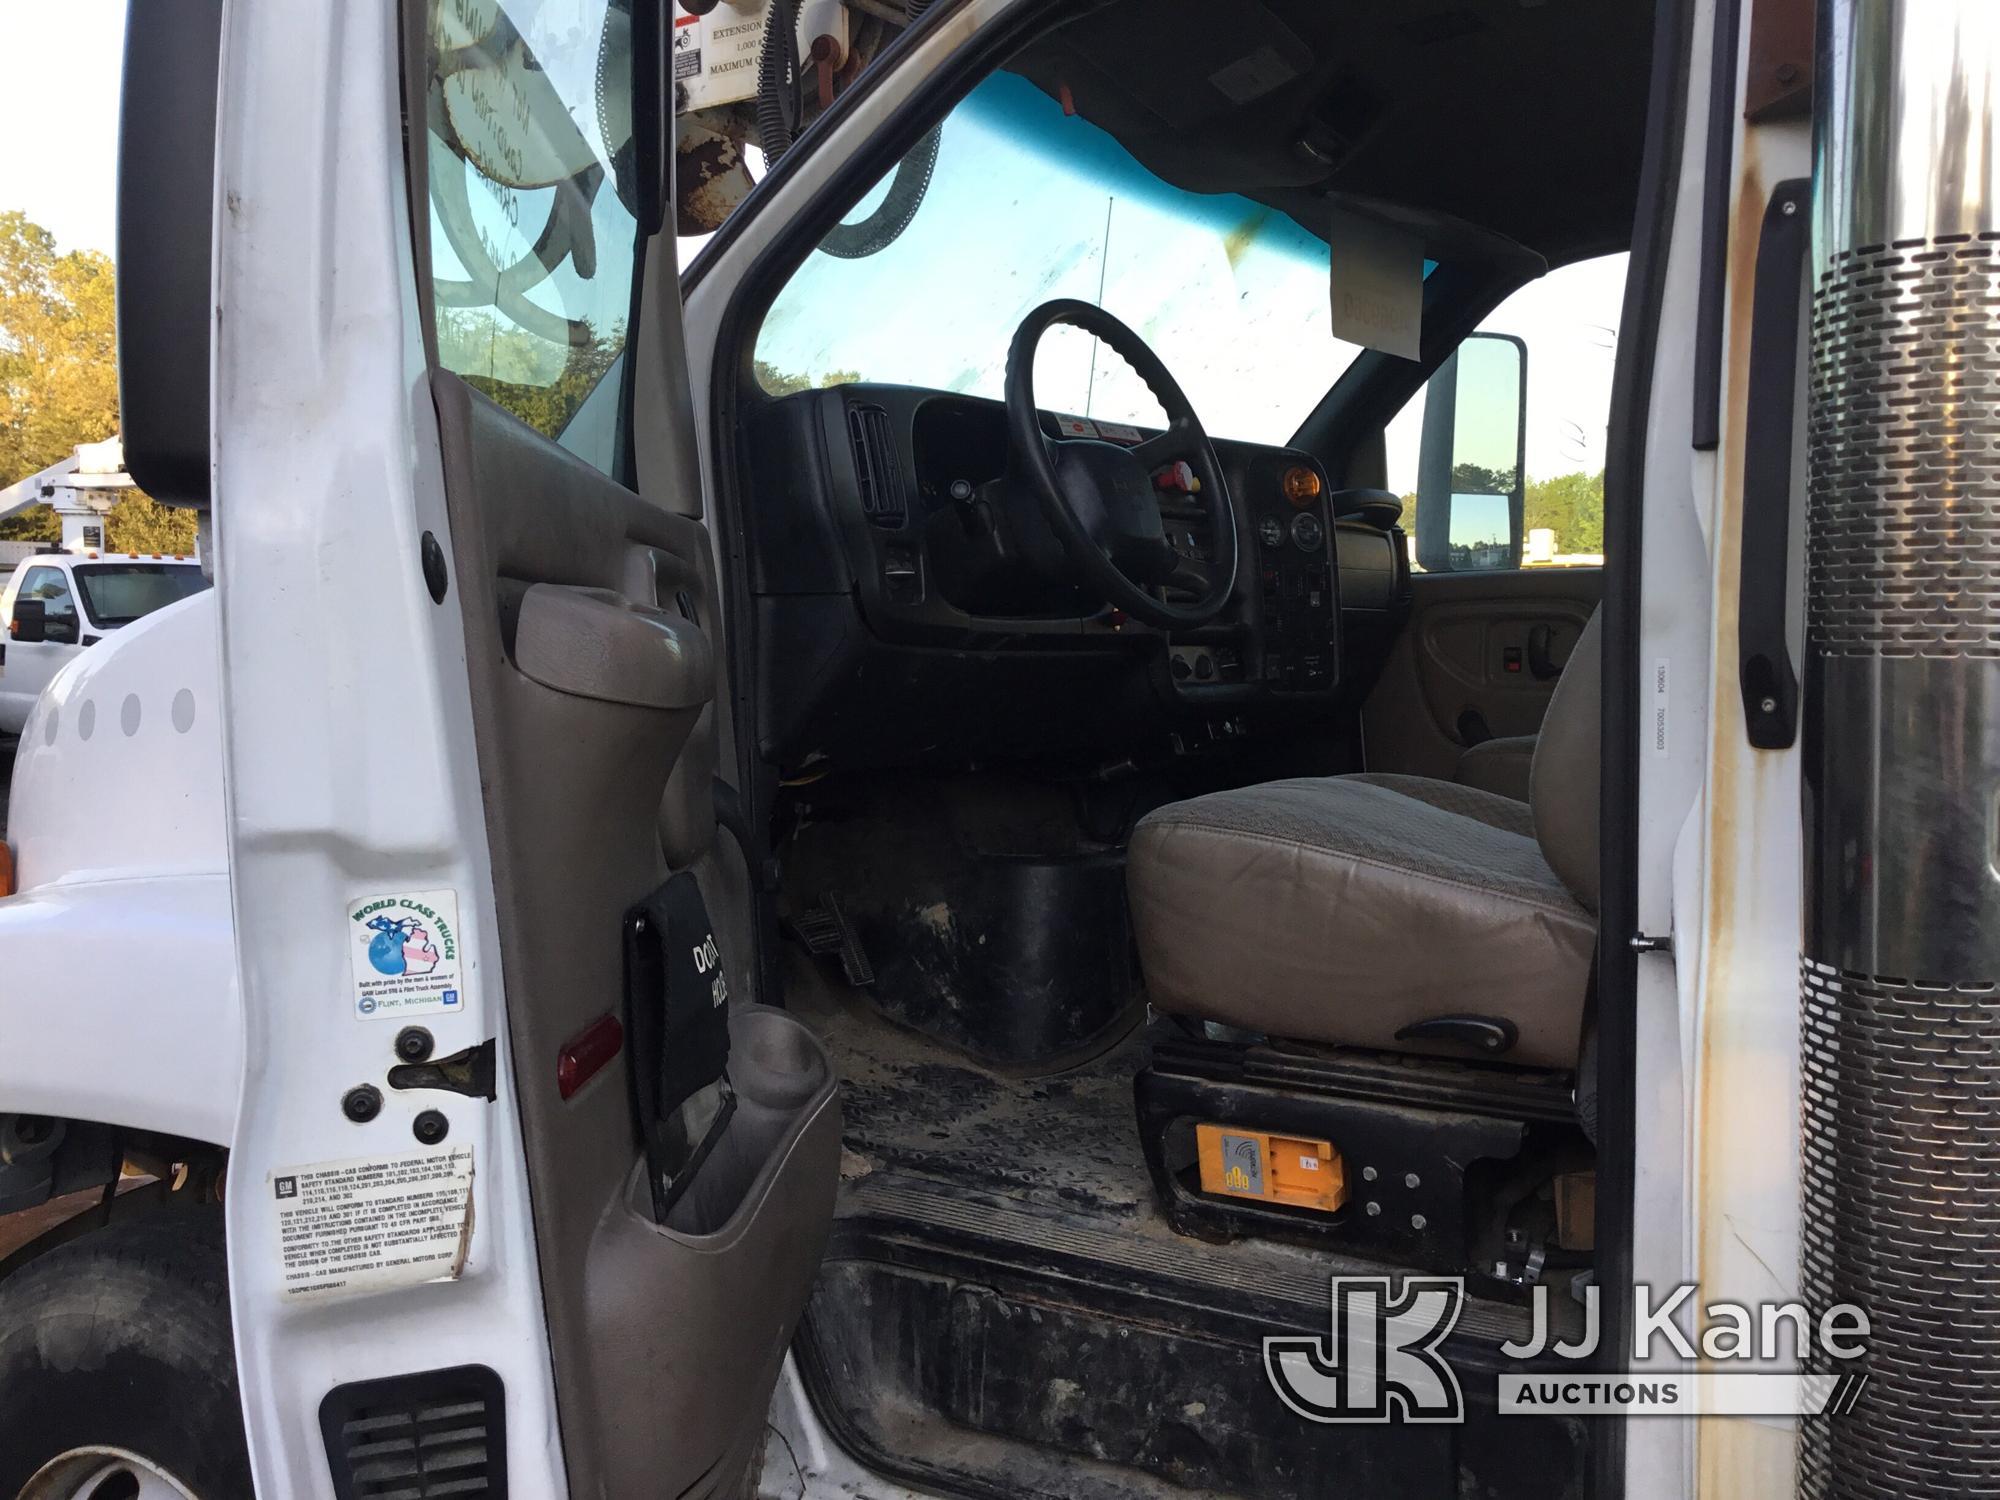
{"x":1542,"y":662}
{"x":1763,"y":650}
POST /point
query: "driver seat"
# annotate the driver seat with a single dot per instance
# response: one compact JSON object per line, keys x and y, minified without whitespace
{"x":1383,"y":911}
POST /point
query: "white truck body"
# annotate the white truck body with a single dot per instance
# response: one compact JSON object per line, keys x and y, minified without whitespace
{"x":85,"y":597}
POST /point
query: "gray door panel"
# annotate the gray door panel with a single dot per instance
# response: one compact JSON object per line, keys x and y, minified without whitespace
{"x":1454,"y":655}
{"x":597,"y":762}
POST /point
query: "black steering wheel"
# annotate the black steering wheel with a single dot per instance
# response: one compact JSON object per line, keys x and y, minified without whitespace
{"x":1100,"y":497}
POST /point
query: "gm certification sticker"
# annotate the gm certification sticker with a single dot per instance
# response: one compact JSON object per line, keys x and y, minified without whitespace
{"x":403,"y":951}
{"x":371,"y":1223}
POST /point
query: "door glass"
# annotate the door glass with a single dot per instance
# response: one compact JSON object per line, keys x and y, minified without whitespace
{"x":58,"y":607}
{"x":1569,"y":321}
{"x":534,"y":208}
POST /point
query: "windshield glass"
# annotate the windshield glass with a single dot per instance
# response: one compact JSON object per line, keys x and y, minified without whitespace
{"x":119,"y":593}
{"x":1026,"y":204}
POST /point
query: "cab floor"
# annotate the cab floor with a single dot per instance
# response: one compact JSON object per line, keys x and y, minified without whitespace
{"x":939,"y":1144}
{"x":1004,"y":1311}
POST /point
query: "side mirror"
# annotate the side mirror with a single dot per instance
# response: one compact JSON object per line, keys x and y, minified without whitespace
{"x":1471,"y":469}
{"x":30,"y":625}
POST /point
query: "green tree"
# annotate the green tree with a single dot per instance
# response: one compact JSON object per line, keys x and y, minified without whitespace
{"x":783,"y":383}
{"x":59,"y":378}
{"x":1570,"y":505}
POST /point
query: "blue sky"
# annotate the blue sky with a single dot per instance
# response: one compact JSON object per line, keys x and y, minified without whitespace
{"x":59,"y":164}
{"x":59,"y":160}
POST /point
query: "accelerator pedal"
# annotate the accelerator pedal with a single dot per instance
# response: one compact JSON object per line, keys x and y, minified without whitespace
{"x":825,"y":929}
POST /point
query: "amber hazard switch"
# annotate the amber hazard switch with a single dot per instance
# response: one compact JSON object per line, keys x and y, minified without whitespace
{"x":1292,"y":1170}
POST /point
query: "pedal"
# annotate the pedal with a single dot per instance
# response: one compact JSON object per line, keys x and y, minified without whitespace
{"x":825,"y":929}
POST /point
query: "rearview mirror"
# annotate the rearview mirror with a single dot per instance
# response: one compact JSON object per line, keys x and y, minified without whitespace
{"x":30,"y":622}
{"x":1471,"y":466}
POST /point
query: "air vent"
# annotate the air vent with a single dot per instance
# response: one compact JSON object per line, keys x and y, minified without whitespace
{"x":418,"y":1437}
{"x":876,"y":466}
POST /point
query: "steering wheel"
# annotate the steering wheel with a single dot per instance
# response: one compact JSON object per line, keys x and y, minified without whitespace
{"x":1100,"y":498}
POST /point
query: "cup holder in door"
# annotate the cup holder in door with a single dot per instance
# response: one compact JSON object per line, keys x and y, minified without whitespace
{"x":781,"y":1076}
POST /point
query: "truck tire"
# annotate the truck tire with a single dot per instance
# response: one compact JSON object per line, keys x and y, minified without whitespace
{"x":120,"y":1341}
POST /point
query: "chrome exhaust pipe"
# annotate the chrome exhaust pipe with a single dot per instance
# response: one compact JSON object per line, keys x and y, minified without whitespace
{"x":1900,"y":1042}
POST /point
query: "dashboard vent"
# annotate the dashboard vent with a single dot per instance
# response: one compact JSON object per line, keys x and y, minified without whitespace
{"x":876,"y":466}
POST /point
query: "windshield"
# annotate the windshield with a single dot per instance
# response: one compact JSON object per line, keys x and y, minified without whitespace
{"x":119,"y":593}
{"x":1026,"y":204}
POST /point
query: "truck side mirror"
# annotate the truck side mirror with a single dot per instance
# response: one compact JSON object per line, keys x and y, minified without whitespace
{"x":30,"y":623}
{"x":1471,"y":468}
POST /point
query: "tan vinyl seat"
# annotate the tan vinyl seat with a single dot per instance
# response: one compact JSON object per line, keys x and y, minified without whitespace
{"x":1346,"y":908}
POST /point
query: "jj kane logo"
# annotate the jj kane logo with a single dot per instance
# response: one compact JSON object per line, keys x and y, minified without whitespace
{"x":1383,"y":1357}
{"x":1381,"y":1362}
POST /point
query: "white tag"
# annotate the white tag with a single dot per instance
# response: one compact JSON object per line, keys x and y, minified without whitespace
{"x":1253,"y":76}
{"x":371,"y":1223}
{"x":1378,"y":286}
{"x":1076,"y":427}
{"x":1659,"y":735}
{"x":403,"y":952}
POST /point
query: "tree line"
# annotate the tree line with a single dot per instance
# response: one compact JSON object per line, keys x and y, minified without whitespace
{"x":59,"y":382}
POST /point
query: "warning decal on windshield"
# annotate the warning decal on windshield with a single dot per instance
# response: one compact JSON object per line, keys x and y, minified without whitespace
{"x":368,"y":1224}
{"x":404,"y":954}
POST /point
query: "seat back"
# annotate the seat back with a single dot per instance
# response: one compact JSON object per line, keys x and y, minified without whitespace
{"x":1563,"y":782}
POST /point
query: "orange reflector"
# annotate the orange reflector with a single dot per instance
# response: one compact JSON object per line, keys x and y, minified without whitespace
{"x":6,"y":870}
{"x":1287,"y":1169}
{"x":1301,"y":485}
{"x":587,"y":1053}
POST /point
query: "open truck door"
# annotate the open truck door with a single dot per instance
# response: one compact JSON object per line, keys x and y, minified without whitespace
{"x":551,"y":1227}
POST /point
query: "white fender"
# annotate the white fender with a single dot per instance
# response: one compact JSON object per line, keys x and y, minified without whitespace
{"x":117,"y":956}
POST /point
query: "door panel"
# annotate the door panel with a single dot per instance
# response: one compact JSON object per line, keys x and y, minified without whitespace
{"x":1484,"y":644}
{"x":666,"y":1340}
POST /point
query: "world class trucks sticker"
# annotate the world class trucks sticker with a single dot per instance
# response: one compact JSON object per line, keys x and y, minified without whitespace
{"x":404,"y":954}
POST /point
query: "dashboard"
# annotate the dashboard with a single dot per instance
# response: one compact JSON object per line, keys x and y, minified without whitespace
{"x":904,"y":579}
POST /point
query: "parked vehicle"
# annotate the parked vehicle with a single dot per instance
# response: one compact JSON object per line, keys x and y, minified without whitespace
{"x":56,"y":604}
{"x":889,"y":866}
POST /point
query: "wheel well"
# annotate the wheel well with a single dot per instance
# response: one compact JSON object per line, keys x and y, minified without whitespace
{"x":60,"y":1178}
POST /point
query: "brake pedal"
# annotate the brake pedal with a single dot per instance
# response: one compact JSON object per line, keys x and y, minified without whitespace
{"x":825,"y":929}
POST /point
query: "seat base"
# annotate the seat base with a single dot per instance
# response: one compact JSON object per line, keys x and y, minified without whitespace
{"x":1452,"y":1155}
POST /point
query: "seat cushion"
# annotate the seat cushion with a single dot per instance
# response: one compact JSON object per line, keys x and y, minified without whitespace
{"x":1342,"y":909}
{"x":1500,"y":766}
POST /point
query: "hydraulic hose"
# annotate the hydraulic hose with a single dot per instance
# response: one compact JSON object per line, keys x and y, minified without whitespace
{"x":781,"y":110}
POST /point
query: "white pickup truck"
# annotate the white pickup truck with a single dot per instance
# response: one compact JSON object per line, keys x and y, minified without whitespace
{"x":56,"y":603}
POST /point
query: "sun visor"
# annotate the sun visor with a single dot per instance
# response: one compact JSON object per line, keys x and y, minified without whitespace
{"x":1377,"y":285}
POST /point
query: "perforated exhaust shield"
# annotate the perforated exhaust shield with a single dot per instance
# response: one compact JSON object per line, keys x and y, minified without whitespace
{"x":1901,"y":972}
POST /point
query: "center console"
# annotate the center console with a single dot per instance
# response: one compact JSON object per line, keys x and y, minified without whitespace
{"x":1292,"y":549}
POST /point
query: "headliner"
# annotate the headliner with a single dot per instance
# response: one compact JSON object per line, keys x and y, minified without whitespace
{"x":1467,"y":119}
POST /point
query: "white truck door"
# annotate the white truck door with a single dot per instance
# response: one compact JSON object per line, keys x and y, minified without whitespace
{"x":471,"y":663}
{"x":31,"y":663}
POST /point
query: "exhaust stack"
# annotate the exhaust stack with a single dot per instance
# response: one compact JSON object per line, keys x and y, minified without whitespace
{"x":1901,"y":962}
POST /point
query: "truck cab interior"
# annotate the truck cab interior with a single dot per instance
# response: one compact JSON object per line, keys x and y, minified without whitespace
{"x":1157,"y":803}
{"x":1187,"y":856}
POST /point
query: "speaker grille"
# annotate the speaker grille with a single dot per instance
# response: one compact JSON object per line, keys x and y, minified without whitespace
{"x":1903,"y":549}
{"x":1901,"y":1102}
{"x":418,"y":1437}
